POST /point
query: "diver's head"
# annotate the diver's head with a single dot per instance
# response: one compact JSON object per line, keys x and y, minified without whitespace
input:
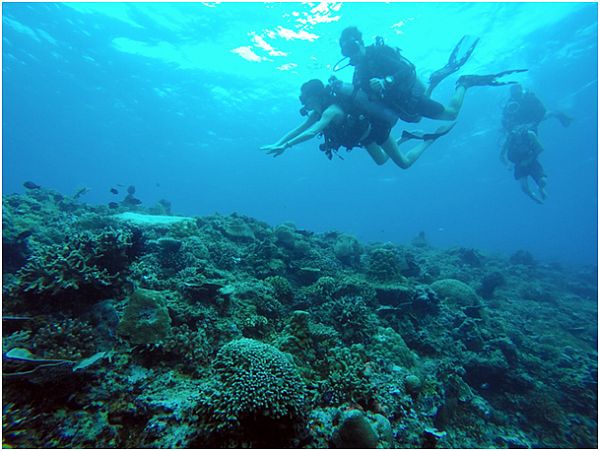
{"x":351,"y":44}
{"x":311,"y":95}
{"x":516,"y":91}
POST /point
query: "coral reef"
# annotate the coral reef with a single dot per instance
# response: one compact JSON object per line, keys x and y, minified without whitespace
{"x":135,"y":328}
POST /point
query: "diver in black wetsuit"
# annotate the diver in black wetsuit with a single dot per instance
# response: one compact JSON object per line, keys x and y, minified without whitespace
{"x":524,"y":107}
{"x":342,"y":124}
{"x":522,"y":148}
{"x":390,"y":79}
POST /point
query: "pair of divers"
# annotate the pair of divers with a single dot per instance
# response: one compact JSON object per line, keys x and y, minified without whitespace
{"x":521,"y":117}
{"x":385,"y":88}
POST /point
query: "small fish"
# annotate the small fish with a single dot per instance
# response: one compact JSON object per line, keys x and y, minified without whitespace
{"x":80,"y":192}
{"x":114,"y":191}
{"x":131,"y":189}
{"x":30,"y":185}
{"x":113,"y":205}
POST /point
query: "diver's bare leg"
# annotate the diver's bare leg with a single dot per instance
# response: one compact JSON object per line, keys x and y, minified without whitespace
{"x":377,"y":153}
{"x":525,"y":188}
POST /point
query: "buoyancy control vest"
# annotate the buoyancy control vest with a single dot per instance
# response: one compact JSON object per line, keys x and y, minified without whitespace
{"x":403,"y":88}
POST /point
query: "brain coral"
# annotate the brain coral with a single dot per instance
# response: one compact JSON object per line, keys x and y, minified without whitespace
{"x":257,"y":393}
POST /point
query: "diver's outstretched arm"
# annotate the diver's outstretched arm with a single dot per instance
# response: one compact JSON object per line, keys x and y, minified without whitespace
{"x":310,"y":120}
{"x":332,"y":112}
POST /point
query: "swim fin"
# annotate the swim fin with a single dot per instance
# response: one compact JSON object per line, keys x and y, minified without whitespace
{"x":418,"y":134}
{"x":454,"y":62}
{"x":469,"y":81}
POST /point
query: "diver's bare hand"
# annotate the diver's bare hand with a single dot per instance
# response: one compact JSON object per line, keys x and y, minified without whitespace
{"x":377,"y":84}
{"x":274,"y":149}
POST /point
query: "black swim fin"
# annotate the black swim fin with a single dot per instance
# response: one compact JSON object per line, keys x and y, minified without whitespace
{"x":417,"y":134}
{"x":469,"y":81}
{"x":454,"y":62}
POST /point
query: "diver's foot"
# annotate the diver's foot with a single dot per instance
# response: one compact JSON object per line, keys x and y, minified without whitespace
{"x":454,"y":63}
{"x":469,"y":81}
{"x":441,"y":131}
{"x":419,"y":134}
{"x":408,"y":135}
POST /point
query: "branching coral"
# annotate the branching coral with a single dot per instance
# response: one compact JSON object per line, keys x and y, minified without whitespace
{"x":84,"y":261}
{"x":257,"y":390}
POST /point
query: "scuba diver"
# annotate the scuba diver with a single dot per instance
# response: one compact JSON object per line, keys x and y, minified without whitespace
{"x":524,"y":107}
{"x":390,"y":80}
{"x":342,"y":124}
{"x":522,"y":148}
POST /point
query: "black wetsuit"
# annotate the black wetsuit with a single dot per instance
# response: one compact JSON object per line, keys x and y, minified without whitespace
{"x":522,"y":150}
{"x":405,"y":95}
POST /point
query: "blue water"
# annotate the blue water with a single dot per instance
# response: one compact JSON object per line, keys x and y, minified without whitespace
{"x":177,"y":98}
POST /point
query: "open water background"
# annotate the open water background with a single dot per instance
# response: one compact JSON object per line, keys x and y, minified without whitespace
{"x":177,"y":98}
